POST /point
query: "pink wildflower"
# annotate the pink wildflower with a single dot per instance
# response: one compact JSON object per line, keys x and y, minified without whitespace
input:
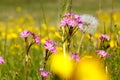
{"x":102,"y":53}
{"x":1,"y":60}
{"x":25,"y":34}
{"x":44,"y":73}
{"x":36,"y":38}
{"x":104,"y":36}
{"x":71,"y":20}
{"x":75,"y":57}
{"x":50,"y":45}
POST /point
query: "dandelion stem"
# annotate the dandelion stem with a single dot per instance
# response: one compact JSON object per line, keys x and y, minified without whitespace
{"x":80,"y":42}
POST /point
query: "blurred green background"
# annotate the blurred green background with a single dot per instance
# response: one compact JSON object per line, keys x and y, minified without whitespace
{"x":52,"y":8}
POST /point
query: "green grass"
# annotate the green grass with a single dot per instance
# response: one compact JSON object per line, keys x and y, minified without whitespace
{"x":51,"y":8}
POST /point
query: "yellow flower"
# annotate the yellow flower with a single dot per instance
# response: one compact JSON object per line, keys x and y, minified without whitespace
{"x":119,"y":32}
{"x":112,"y":43}
{"x":18,"y":9}
{"x":97,"y":35}
{"x":58,"y":35}
{"x":89,"y":69}
{"x":44,"y":26}
{"x":88,"y":36}
{"x":12,"y":36}
{"x":61,"y":65}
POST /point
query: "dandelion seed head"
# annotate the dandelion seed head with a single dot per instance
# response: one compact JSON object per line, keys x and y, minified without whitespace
{"x":89,"y":23}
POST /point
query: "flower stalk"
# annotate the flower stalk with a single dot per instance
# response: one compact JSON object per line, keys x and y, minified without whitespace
{"x":27,"y":58}
{"x":80,"y":42}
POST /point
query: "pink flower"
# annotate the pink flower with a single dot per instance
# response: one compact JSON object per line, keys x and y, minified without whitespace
{"x":75,"y":57}
{"x":64,"y":22}
{"x":36,"y":38}
{"x":44,"y":73}
{"x":72,"y":23}
{"x":71,"y":20}
{"x":1,"y":60}
{"x":104,"y":36}
{"x":50,"y":45}
{"x":102,"y":53}
{"x":25,"y":34}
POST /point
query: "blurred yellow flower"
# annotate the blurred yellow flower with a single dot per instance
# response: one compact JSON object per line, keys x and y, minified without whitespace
{"x":97,"y":35}
{"x":89,"y":69}
{"x":12,"y":36}
{"x":58,"y":35}
{"x":88,"y":36}
{"x":119,"y":32}
{"x":44,"y":26}
{"x":104,"y":17}
{"x":61,"y":65}
{"x":43,"y":40}
{"x":112,"y":43}
{"x":18,"y":9}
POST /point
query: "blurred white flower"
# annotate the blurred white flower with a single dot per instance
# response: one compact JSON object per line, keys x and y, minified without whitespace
{"x":89,"y":23}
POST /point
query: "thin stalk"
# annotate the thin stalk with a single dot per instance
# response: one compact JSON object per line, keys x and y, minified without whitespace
{"x":111,"y":21}
{"x":65,"y":6}
{"x":70,"y":29}
{"x":45,"y":60}
{"x":70,"y":6}
{"x":99,"y":5}
{"x":104,"y":28}
{"x":80,"y":42}
{"x":44,"y":18}
{"x":27,"y":57}
{"x":25,"y":70}
{"x":5,"y":43}
{"x":63,"y":38}
{"x":26,"y":62}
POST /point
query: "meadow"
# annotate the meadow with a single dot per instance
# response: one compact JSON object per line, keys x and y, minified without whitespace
{"x":25,"y":56}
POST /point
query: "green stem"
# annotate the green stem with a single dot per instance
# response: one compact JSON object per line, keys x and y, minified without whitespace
{"x":80,"y":42}
{"x":63,"y":37}
{"x":27,"y":57}
{"x":5,"y":44}
{"x":111,"y":21}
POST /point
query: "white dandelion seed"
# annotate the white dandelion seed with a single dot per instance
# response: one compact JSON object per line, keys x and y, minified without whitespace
{"x":89,"y":23}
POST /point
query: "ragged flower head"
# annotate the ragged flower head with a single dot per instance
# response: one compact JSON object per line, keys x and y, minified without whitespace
{"x":71,"y":20}
{"x":89,"y":23}
{"x":44,"y":73}
{"x":25,"y":34}
{"x":75,"y":57}
{"x":36,"y":38}
{"x":1,"y":60}
{"x":102,"y":53}
{"x":104,"y":37}
{"x":50,"y":46}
